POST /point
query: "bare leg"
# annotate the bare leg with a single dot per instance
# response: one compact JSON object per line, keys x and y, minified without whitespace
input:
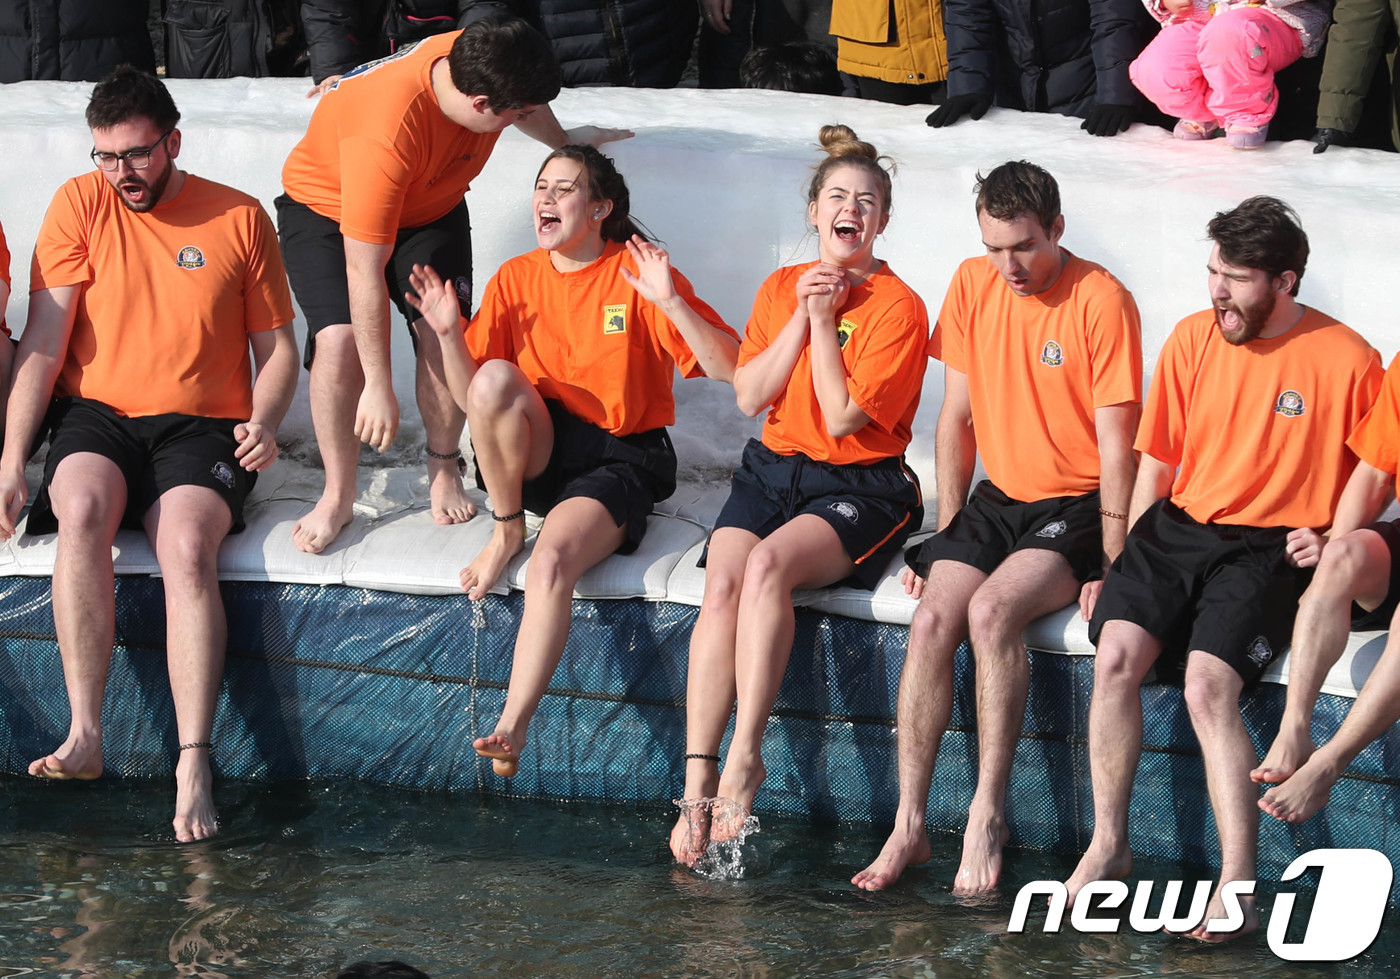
{"x":442,"y":421}
{"x":710,"y":685}
{"x":1377,"y":707}
{"x":1126,"y":652}
{"x":1028,"y":584}
{"x":88,"y":494}
{"x":1353,"y":568}
{"x":336,"y":383}
{"x":186,"y":526}
{"x":805,"y":552}
{"x":513,"y":437}
{"x":577,"y":534}
{"x":921,"y":715}
{"x":1213,"y":698}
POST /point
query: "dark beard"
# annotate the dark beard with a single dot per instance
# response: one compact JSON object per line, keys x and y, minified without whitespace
{"x":1252,"y":321}
{"x":155,"y":189}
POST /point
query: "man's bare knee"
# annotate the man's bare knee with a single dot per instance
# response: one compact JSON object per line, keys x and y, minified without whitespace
{"x":1343,"y":564}
{"x":933,"y":625}
{"x":1211,"y":693}
{"x":992,"y":619}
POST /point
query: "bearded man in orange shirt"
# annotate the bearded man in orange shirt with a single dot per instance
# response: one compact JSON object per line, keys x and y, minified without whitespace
{"x":1222,"y":534}
{"x":148,"y":287}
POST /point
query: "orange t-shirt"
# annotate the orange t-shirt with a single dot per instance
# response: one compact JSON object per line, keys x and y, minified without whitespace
{"x":1259,"y":431}
{"x":168,"y":297}
{"x":588,"y":339}
{"x":1376,"y":438}
{"x":4,"y":275}
{"x":379,"y":155}
{"x":885,"y":327}
{"x":1037,"y":367}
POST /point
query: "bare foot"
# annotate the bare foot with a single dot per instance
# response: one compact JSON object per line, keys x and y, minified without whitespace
{"x":1289,"y":750}
{"x":78,"y":757}
{"x":195,"y":816}
{"x":1098,"y":863}
{"x":691,"y":834}
{"x":737,"y":787}
{"x":505,"y":758}
{"x":904,"y":848}
{"x":980,"y":869}
{"x":480,"y":576}
{"x":1216,"y":910}
{"x":1300,"y":797}
{"x":449,"y":499}
{"x":317,"y":530}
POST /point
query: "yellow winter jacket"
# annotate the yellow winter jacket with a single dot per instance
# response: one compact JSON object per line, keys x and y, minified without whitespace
{"x":899,"y":41}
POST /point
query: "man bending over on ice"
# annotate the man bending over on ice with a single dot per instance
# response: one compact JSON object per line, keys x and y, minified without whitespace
{"x":147,"y":289}
{"x":376,"y":186}
{"x":1361,"y":564}
{"x":1242,"y":438}
{"x":1042,"y":357}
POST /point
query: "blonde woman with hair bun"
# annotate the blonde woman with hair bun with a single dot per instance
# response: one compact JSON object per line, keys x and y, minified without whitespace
{"x":834,"y":356}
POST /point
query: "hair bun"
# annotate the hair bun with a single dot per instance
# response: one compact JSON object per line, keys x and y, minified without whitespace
{"x":841,"y":141}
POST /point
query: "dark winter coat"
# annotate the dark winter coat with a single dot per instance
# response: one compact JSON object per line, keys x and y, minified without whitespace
{"x":640,"y":43}
{"x":1359,"y":35}
{"x":72,"y":40}
{"x":342,"y":34}
{"x":1046,"y":55}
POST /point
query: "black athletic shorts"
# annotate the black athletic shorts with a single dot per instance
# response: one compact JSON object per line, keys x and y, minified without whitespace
{"x":873,"y":508}
{"x":1225,"y":590}
{"x":992,"y":526}
{"x":154,"y":452}
{"x":1380,"y":616}
{"x":313,"y":250}
{"x":628,"y":475}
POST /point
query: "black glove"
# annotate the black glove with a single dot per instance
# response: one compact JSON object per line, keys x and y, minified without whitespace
{"x":1108,"y":120}
{"x":956,"y":107}
{"x":1330,"y":137}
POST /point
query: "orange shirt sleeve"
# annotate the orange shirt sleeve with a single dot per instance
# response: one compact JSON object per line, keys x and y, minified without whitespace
{"x":60,"y":252}
{"x":1162,"y":431}
{"x":758,"y":332}
{"x":948,"y":342}
{"x":670,"y":337}
{"x":886,"y":372}
{"x":489,"y":332}
{"x":1114,"y":333}
{"x":267,"y":301}
{"x":1376,"y":438}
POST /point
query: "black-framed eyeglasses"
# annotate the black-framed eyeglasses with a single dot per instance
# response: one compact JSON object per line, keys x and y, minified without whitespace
{"x":137,"y":159}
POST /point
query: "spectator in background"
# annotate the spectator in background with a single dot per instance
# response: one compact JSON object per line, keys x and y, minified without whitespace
{"x":1361,"y":31}
{"x":72,"y":40}
{"x":1212,"y":65}
{"x":1065,"y":56}
{"x":343,"y":34}
{"x":224,"y":38}
{"x":896,"y":51}
{"x":731,"y":29}
{"x":803,"y":66}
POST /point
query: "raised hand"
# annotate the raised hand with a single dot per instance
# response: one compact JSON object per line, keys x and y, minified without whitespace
{"x":435,"y":300}
{"x":653,"y":278}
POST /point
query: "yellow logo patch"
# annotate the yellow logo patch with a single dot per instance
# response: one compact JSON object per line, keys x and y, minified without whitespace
{"x":844,"y":331}
{"x":615,"y":318}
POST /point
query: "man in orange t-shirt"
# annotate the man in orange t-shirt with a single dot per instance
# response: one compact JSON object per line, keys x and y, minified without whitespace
{"x":375,"y":186}
{"x":1357,"y":585}
{"x":1042,"y":355}
{"x":1244,"y":457}
{"x":147,"y":289}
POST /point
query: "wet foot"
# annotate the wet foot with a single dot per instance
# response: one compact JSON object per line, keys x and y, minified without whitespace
{"x":691,"y":834}
{"x":480,"y":576}
{"x":980,"y":870}
{"x":195,"y":816}
{"x":78,"y":757}
{"x":734,"y":797}
{"x":1300,"y":796}
{"x":1099,"y":863}
{"x":446,"y":494}
{"x":1216,"y":910}
{"x":500,"y":748}
{"x":904,"y":848}
{"x":1286,"y":754}
{"x":317,"y":530}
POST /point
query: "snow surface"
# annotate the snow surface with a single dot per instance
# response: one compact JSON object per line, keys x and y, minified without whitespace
{"x":719,"y":177}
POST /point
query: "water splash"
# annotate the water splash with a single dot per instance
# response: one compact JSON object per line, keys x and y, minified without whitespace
{"x":724,"y":859}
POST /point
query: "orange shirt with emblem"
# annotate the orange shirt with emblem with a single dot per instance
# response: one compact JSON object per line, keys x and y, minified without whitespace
{"x":1037,"y":367}
{"x":885,"y":329}
{"x":1376,"y":438}
{"x":4,"y":276}
{"x":1259,"y":430}
{"x":588,"y":339}
{"x":379,"y":155}
{"x":168,"y":298}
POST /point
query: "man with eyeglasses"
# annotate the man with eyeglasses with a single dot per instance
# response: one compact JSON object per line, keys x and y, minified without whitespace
{"x":147,"y":289}
{"x":374,"y":187}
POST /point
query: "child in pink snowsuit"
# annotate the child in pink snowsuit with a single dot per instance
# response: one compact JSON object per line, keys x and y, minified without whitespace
{"x":1213,"y":64}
